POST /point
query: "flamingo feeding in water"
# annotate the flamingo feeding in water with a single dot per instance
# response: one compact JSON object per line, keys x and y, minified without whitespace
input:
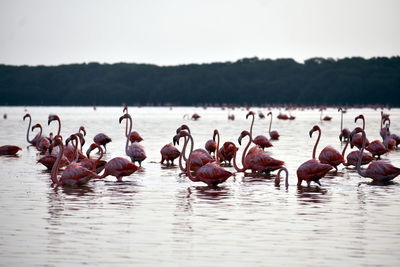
{"x":226,"y":152}
{"x":344,"y":133}
{"x":169,"y":153}
{"x":273,"y":134}
{"x":102,"y":140}
{"x":119,"y":167}
{"x":73,"y":174}
{"x":94,"y":164}
{"x":9,"y":150}
{"x":278,"y":177}
{"x":260,"y":140}
{"x":353,"y":156}
{"x":378,"y":171}
{"x":37,"y":137}
{"x":313,"y":170}
{"x":134,"y":151}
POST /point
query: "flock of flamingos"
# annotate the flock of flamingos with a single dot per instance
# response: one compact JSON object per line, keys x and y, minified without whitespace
{"x":206,"y":165}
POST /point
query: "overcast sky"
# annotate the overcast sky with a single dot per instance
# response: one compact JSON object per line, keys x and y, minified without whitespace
{"x":171,"y":32}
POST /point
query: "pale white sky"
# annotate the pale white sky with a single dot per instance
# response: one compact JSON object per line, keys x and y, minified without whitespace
{"x":171,"y":32}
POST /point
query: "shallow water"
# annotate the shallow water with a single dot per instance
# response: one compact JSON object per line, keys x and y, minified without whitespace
{"x":157,"y":216}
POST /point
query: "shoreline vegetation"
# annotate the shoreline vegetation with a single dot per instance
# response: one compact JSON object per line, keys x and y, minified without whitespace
{"x":249,"y":81}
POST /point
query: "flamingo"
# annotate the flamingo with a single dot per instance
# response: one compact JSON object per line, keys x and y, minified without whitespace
{"x":353,"y":156}
{"x":73,"y":174}
{"x":134,"y":136}
{"x":344,"y":133}
{"x":71,"y":151}
{"x":274,"y":134}
{"x":102,"y":140}
{"x":134,"y":151}
{"x":119,"y":167}
{"x":260,"y":140}
{"x":37,"y":137}
{"x":231,"y":117}
{"x":383,"y":130}
{"x":278,"y":177}
{"x":326,"y":118}
{"x":261,"y":115}
{"x":94,"y":164}
{"x":53,"y":117}
{"x":9,"y":150}
{"x":42,"y":144}
{"x":392,"y":136}
{"x":226,"y":152}
{"x":256,"y":160}
{"x":357,"y":138}
{"x":211,"y":173}
{"x":313,"y":170}
{"x":283,"y":116}
{"x":377,"y":148}
{"x":329,"y":155}
{"x":200,"y":157}
{"x":169,"y":153}
{"x":211,"y":145}
{"x":378,"y":171}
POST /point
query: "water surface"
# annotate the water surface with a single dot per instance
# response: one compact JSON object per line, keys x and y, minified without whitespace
{"x":157,"y":216}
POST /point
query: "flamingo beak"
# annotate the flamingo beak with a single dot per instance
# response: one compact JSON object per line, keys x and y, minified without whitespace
{"x":88,"y":151}
{"x":178,"y":130}
{"x":84,"y":131}
{"x":240,"y":140}
{"x":67,"y":141}
{"x":311,"y":132}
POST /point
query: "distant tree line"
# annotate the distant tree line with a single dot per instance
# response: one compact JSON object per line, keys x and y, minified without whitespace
{"x":253,"y":81}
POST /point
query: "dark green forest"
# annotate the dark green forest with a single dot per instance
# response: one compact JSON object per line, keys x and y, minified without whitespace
{"x":317,"y":81}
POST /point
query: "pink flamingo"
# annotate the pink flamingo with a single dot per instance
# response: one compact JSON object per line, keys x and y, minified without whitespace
{"x":378,"y":171}
{"x":377,"y":148}
{"x":119,"y":167}
{"x":9,"y":150}
{"x":53,"y":117}
{"x":283,"y":116}
{"x":134,"y":151}
{"x":102,"y":140}
{"x":37,"y":137}
{"x":226,"y":152}
{"x":256,"y":160}
{"x":329,"y":155}
{"x":344,"y":133}
{"x":42,"y":144}
{"x":260,"y":140}
{"x":273,"y":134}
{"x":73,"y":174}
{"x":93,"y":164}
{"x":313,"y":170}
{"x":200,"y":157}
{"x":211,"y":145}
{"x":353,"y":156}
{"x":211,"y":173}
{"x":326,"y":118}
{"x":357,"y":138}
{"x":389,"y":134}
{"x":383,"y":130}
{"x":169,"y":153}
{"x":72,"y":152}
{"x":278,"y":177}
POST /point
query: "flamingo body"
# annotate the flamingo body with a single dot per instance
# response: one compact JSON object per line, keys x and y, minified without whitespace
{"x":312,"y":170}
{"x":210,"y":146}
{"x":76,"y":175}
{"x":274,"y":135}
{"x":9,"y":150}
{"x":169,"y":153}
{"x":212,"y":174}
{"x":49,"y":160}
{"x":102,"y":140}
{"x":262,"y":141}
{"x":353,"y":156}
{"x":136,"y":153}
{"x":261,"y":162}
{"x":376,"y":148}
{"x":226,"y":152}
{"x":345,"y":134}
{"x":357,"y":141}
{"x":119,"y":167}
{"x":331,"y":156}
{"x":135,"y":137}
{"x":381,"y":171}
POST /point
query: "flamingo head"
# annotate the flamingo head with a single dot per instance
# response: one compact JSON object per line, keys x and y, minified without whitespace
{"x":36,"y":126}
{"x":57,"y":141}
{"x":92,"y":147}
{"x":242,"y":134}
{"x":361,"y":116}
{"x":250,"y":113}
{"x":215,"y":134}
{"x":125,"y":109}
{"x":269,"y":113}
{"x":176,"y":138}
{"x":183,"y":127}
{"x":355,"y":131}
{"x":386,"y":120}
{"x":83,"y":130}
{"x":27,"y":115}
{"x":315,"y":128}
{"x":52,"y":117}
{"x":72,"y":137}
{"x":125,"y":116}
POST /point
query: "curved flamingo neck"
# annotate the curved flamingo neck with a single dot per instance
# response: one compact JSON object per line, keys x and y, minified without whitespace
{"x":270,"y":123}
{"x":344,"y":149}
{"x":38,"y":140}
{"x":243,"y":157}
{"x":251,"y":127}
{"x":129,"y":134}
{"x":360,"y":172}
{"x":126,"y":124}
{"x":217,"y":156}
{"x":191,"y":177}
{"x":59,"y":126}
{"x":74,"y":143}
{"x":183,"y":154}
{"x":56,"y":166}
{"x":27,"y":132}
{"x":316,"y":143}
